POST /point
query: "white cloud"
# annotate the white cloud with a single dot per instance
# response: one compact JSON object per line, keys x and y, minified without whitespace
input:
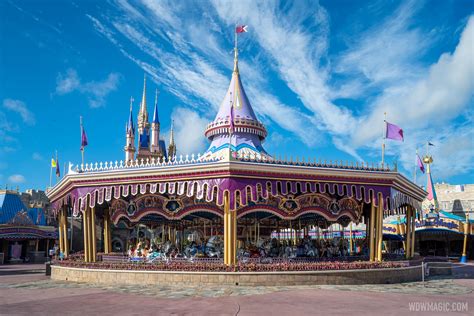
{"x":188,"y":131}
{"x":68,"y":82}
{"x":96,"y":91}
{"x":440,"y":95}
{"x":20,"y":107}
{"x":37,"y":156}
{"x":16,"y":179}
{"x":388,"y":52}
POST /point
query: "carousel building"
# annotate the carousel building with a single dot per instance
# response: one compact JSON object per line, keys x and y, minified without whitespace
{"x":438,"y":232}
{"x":25,"y":234}
{"x":235,"y":191}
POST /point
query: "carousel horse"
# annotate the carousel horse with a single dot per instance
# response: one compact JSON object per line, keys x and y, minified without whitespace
{"x":192,"y":251}
{"x":309,"y":249}
{"x":214,"y":247}
{"x":273,"y":248}
{"x":161,"y":253}
{"x":290,"y":252}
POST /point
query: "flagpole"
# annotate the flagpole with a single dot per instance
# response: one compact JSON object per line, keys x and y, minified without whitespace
{"x":50,"y":175}
{"x":416,"y":165}
{"x":230,"y":127}
{"x":82,"y":147}
{"x":383,"y":138}
{"x":57,"y":166}
{"x":235,"y":38}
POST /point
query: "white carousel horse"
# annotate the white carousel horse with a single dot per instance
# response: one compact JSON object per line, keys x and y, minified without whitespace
{"x":214,"y":248}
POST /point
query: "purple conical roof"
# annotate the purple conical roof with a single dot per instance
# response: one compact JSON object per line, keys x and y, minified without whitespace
{"x":245,"y":120}
{"x":237,"y":96}
{"x":247,"y":132}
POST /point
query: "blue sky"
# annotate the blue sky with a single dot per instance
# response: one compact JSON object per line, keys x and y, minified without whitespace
{"x":320,"y":75}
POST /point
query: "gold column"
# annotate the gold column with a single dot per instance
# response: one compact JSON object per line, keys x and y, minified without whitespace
{"x":109,"y":232}
{"x":60,"y":228}
{"x":105,"y":232}
{"x":93,"y":235}
{"x":408,"y":233}
{"x":371,"y":236}
{"x":350,"y":239}
{"x":228,"y":231}
{"x":65,"y":238}
{"x":380,"y":229}
{"x":413,"y":231}
{"x":85,"y":228}
{"x":467,"y":230}
{"x":234,"y":236}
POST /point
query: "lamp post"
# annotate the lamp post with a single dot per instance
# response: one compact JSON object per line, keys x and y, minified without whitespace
{"x":466,"y":236}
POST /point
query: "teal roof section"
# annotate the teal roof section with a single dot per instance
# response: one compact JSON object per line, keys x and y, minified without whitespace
{"x":455,"y":217}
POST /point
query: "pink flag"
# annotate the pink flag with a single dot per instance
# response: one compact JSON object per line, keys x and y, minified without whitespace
{"x":393,"y":132}
{"x":420,"y":163}
{"x":241,"y":29}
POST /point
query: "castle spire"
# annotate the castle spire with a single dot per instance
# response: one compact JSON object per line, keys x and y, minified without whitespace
{"x":172,"y":133}
{"x":130,"y":135}
{"x":130,"y":126}
{"x":155,"y":129}
{"x":156,"y":118}
{"x":172,"y":145}
{"x":143,"y":113}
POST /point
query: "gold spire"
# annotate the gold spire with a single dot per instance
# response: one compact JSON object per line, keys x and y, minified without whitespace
{"x":143,"y":113}
{"x":236,"y":60}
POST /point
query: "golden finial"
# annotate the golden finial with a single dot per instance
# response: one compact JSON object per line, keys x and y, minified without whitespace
{"x":428,"y":160}
{"x":236,"y":60}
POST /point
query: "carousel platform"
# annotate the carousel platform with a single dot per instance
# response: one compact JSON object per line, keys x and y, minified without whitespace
{"x":96,"y":275}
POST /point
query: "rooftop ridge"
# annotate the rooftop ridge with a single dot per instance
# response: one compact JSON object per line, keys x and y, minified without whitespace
{"x":247,"y":158}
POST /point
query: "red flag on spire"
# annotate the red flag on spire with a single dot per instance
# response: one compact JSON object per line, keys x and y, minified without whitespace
{"x":241,"y":29}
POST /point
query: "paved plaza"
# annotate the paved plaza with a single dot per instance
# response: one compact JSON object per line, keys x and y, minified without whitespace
{"x":25,"y":291}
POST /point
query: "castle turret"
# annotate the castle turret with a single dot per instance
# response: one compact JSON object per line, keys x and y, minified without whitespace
{"x":155,"y":129}
{"x":172,"y":146}
{"x":143,"y":112}
{"x":130,"y":136}
{"x":143,"y":127}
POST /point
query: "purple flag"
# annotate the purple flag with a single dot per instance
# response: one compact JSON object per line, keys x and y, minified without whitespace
{"x":393,"y":132}
{"x":420,"y":163}
{"x":83,"y":138}
{"x":58,"y":172}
